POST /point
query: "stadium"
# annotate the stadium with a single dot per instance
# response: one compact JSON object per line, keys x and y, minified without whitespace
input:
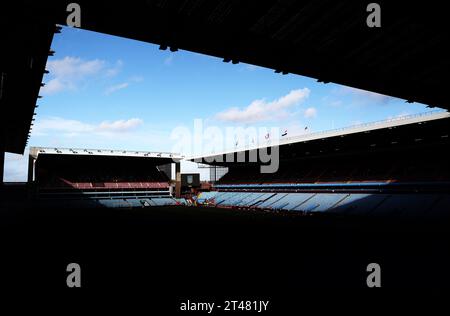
{"x":130,"y":178}
{"x":379,"y":186}
{"x":383,"y":168}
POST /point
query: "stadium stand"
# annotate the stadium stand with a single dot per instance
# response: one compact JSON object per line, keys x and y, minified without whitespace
{"x":397,"y":177}
{"x":337,"y":203}
{"x":100,"y":178}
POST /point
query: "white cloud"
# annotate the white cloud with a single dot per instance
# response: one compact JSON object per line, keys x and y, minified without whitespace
{"x":310,"y":113}
{"x":123,"y":85}
{"x":260,"y":110}
{"x":111,"y":72}
{"x":58,"y":124}
{"x":73,"y":67}
{"x":116,"y":87}
{"x":53,"y":86}
{"x":67,"y":73}
{"x":72,"y":128}
{"x":121,"y":125}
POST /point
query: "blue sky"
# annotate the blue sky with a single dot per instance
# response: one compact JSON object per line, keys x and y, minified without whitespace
{"x":113,"y":93}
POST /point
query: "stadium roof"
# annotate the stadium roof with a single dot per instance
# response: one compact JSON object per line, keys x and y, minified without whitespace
{"x":163,"y":156}
{"x":23,"y":55}
{"x":407,"y":57}
{"x":407,"y":130}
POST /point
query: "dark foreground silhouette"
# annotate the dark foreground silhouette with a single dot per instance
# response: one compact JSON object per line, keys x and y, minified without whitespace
{"x":172,"y":253}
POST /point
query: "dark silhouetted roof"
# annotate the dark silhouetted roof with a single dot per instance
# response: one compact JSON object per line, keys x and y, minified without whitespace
{"x":328,"y":40}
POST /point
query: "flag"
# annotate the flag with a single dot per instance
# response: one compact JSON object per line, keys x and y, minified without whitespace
{"x":285,"y":133}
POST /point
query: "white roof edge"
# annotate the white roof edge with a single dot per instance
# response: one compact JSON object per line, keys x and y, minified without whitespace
{"x":371,"y":126}
{"x":35,"y":151}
